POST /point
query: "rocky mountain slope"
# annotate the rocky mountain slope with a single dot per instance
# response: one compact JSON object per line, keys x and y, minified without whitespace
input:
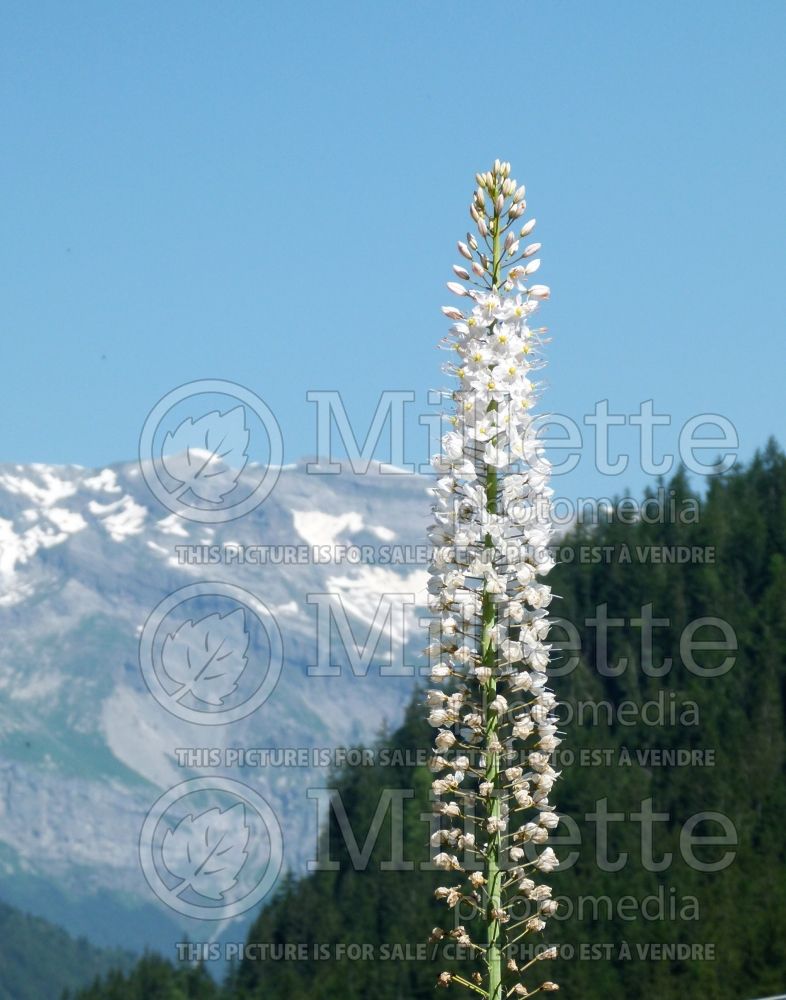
{"x":92,"y":732}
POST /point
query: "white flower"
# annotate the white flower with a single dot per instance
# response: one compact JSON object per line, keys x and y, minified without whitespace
{"x":453,"y":446}
{"x":510,"y":651}
{"x":547,"y":861}
{"x":523,"y":728}
{"x":445,"y":739}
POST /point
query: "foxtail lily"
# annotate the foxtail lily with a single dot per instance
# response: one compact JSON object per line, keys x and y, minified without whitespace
{"x":491,"y":706}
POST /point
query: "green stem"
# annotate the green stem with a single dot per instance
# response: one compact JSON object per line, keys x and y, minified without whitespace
{"x":489,"y":615}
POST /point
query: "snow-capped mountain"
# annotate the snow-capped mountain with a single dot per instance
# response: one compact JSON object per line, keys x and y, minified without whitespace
{"x":139,"y":646}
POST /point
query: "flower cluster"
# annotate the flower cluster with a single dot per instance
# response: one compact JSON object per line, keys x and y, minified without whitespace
{"x":488,"y":650}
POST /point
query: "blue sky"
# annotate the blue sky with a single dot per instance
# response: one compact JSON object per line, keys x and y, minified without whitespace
{"x":272,"y":193}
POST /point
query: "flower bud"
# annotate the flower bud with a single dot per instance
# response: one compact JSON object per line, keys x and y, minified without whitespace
{"x":532,"y":267}
{"x":539,"y":292}
{"x":461,"y":272}
{"x":532,"y":249}
{"x":463,"y":249}
{"x":456,"y":288}
{"x":452,"y":313}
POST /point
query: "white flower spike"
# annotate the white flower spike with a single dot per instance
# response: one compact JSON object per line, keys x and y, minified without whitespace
{"x":494,"y":715}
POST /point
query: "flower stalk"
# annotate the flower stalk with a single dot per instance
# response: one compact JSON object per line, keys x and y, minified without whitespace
{"x":496,"y":731}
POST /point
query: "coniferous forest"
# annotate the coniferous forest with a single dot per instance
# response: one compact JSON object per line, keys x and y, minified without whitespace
{"x":656,"y":738}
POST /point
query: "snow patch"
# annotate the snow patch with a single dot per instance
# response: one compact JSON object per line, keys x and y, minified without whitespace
{"x":16,"y":548}
{"x":120,"y":519}
{"x":105,"y":481}
{"x":384,"y":534}
{"x":172,"y":525}
{"x":317,"y":528}
{"x":16,"y":595}
{"x":66,"y":520}
{"x":48,"y":491}
{"x":35,"y":688}
{"x":361,"y":592}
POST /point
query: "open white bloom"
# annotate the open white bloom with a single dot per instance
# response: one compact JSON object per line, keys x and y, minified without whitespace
{"x":492,"y":528}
